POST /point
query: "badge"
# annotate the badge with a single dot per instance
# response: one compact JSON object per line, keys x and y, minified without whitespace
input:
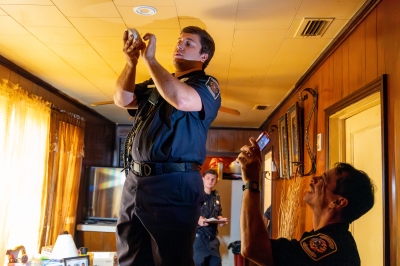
{"x":217,"y":202}
{"x":318,"y":246}
{"x":213,"y":87}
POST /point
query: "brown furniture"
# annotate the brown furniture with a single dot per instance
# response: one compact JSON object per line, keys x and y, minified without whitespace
{"x":96,"y":237}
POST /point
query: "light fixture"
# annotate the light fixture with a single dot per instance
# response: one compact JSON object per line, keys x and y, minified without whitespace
{"x":64,"y":247}
{"x":145,"y":10}
{"x":273,"y":166}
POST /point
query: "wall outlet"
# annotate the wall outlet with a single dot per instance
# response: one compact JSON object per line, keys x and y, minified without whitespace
{"x":319,"y":142}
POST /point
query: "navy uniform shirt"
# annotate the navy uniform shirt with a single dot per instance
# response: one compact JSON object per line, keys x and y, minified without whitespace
{"x":171,"y":135}
{"x":331,"y":245}
{"x":210,"y":208}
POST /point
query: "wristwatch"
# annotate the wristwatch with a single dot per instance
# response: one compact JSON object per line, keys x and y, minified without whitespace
{"x":253,"y":186}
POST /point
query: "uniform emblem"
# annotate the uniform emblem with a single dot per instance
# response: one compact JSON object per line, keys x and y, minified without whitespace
{"x":318,"y":246}
{"x":213,"y":87}
{"x":217,"y":202}
{"x":183,"y":79}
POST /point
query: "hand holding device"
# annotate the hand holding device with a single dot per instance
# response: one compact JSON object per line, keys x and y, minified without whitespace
{"x":136,"y":36}
{"x":263,"y":140}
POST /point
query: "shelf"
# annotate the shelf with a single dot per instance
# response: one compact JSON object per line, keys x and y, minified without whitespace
{"x":231,"y":176}
{"x":99,"y":227}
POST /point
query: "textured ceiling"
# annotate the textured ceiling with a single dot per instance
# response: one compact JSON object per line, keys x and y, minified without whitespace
{"x":75,"y":45}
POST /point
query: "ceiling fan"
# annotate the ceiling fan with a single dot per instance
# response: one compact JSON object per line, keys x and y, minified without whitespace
{"x":221,"y":109}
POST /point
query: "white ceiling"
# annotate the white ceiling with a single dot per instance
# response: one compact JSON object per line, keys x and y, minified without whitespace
{"x":75,"y":45}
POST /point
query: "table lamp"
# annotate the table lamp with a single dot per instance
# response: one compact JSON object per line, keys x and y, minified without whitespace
{"x":64,"y":247}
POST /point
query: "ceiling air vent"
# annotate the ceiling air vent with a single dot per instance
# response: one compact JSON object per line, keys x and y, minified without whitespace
{"x":261,"y":107}
{"x":313,"y":27}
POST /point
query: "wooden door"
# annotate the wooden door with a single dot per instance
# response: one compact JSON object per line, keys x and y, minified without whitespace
{"x":355,"y":138}
{"x":363,"y":150}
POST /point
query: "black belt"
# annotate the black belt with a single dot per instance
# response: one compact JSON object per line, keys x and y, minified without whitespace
{"x":149,"y":168}
{"x":205,"y":236}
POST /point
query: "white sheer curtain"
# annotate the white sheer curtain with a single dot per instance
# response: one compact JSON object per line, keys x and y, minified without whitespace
{"x":24,"y":141}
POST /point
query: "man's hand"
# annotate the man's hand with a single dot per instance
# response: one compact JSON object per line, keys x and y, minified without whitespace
{"x":202,"y":221}
{"x":250,"y":159}
{"x":149,"y":53}
{"x":223,"y":219}
{"x":132,"y":48}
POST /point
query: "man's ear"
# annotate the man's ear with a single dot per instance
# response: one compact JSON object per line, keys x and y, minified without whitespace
{"x":203,"y":57}
{"x":341,"y":202}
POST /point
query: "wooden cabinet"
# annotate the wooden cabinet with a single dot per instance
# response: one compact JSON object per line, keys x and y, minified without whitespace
{"x":99,"y":241}
{"x":96,"y":237}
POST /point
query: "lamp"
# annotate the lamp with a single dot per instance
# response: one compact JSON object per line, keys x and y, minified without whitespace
{"x":64,"y":247}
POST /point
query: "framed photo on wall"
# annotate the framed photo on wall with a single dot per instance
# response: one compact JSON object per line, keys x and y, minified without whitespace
{"x":283,"y":147}
{"x":77,"y":261}
{"x":294,"y":138}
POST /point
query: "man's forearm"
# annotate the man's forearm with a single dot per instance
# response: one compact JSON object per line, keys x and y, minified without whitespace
{"x":125,"y":87}
{"x":255,"y":244}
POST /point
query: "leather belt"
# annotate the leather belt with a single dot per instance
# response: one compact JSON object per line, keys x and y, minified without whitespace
{"x":205,"y":236}
{"x":150,"y":168}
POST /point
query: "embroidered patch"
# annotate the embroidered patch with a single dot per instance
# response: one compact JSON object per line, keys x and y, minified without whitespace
{"x":213,"y":87}
{"x":183,"y":79}
{"x":318,"y":246}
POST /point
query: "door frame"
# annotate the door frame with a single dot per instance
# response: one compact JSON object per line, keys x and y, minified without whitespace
{"x":377,"y":85}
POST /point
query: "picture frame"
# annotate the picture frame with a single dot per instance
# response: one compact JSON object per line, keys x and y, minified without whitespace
{"x":283,"y":147}
{"x":294,"y":138}
{"x":77,"y":261}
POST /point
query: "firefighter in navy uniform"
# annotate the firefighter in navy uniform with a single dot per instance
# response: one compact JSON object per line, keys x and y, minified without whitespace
{"x":206,"y":245}
{"x":337,"y":198}
{"x":161,"y":198}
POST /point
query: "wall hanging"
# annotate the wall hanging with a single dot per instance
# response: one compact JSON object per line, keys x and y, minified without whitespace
{"x":283,"y":147}
{"x":311,"y":154}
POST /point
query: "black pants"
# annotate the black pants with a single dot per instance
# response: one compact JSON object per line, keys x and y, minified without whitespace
{"x":158,"y":219}
{"x":206,"y":251}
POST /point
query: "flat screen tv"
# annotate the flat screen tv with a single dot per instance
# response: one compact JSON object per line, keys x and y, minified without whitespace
{"x":104,"y":189}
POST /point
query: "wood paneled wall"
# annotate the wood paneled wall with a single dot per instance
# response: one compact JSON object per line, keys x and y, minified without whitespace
{"x":99,"y":131}
{"x":371,"y":49}
{"x":222,"y":141}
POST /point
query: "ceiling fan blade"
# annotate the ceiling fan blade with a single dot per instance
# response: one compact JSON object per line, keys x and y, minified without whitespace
{"x":229,"y":111}
{"x":101,"y":103}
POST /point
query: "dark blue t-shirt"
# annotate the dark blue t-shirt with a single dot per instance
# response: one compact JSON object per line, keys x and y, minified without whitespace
{"x":171,"y":135}
{"x":331,"y":245}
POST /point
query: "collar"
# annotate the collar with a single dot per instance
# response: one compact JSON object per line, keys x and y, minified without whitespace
{"x":332,"y":227}
{"x":190,"y":74}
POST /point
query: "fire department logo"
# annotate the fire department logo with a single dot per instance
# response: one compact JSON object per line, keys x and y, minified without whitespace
{"x":213,"y":87}
{"x":318,"y":246}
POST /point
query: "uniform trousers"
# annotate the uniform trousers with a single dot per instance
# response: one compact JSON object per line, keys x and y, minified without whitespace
{"x":206,"y":251}
{"x":158,"y":219}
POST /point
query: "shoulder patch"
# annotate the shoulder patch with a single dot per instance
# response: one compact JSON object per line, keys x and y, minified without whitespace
{"x":183,"y":79}
{"x":213,"y":87}
{"x":318,"y":246}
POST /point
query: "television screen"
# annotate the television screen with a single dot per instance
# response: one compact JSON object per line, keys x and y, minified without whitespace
{"x":104,"y":189}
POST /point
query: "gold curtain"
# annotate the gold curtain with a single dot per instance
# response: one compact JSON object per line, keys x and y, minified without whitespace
{"x":24,"y":145}
{"x":64,"y":171}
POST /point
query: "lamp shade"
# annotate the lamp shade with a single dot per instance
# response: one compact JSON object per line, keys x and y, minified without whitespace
{"x":64,"y":247}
